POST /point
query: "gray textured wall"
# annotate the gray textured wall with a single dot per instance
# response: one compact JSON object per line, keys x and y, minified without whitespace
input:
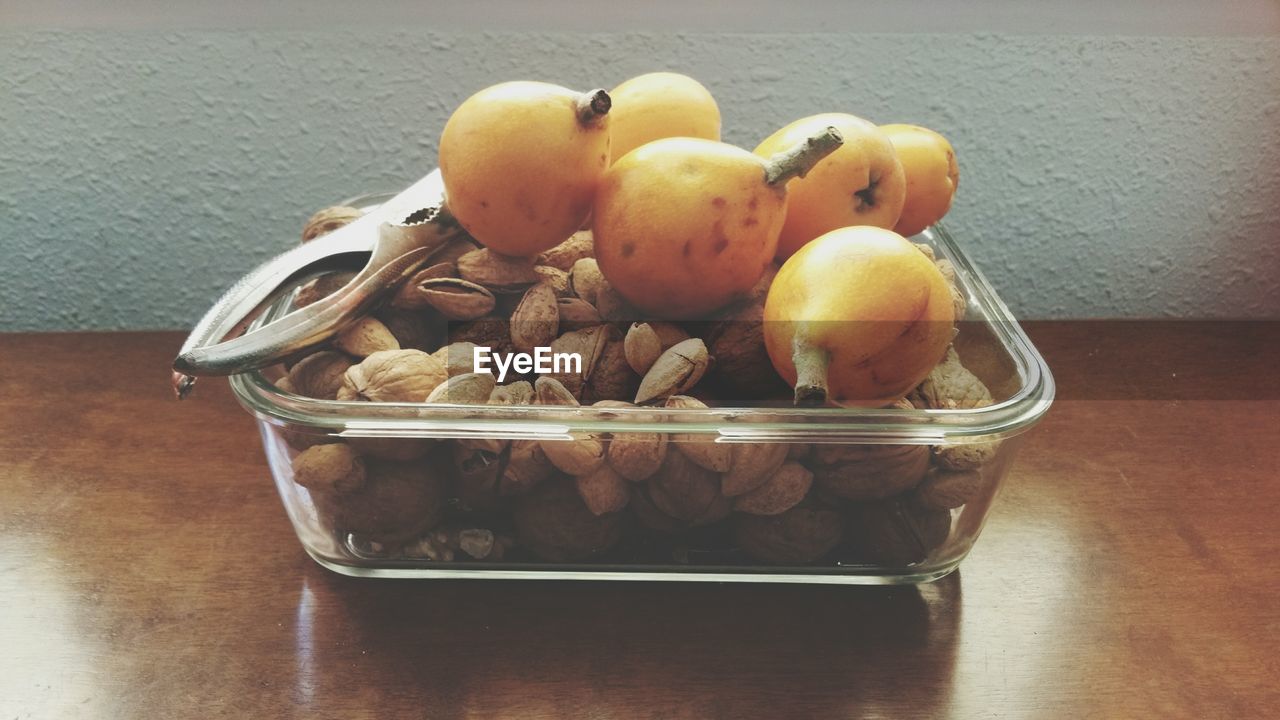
{"x":141,"y":172}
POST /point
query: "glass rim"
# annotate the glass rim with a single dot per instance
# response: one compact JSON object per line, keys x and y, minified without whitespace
{"x":1018,"y":412}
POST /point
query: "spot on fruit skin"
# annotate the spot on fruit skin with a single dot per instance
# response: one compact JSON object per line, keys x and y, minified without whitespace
{"x":749,"y":221}
{"x":628,"y":249}
{"x":718,"y":202}
{"x":722,"y":241}
{"x":687,"y":250}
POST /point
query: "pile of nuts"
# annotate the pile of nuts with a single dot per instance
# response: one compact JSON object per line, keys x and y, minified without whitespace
{"x":625,"y":497}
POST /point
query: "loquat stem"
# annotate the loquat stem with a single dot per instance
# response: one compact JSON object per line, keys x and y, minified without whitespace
{"x":592,"y":106}
{"x":800,"y":159}
{"x":811,"y":374}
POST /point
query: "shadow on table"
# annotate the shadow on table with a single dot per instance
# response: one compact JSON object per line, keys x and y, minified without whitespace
{"x":640,"y":649}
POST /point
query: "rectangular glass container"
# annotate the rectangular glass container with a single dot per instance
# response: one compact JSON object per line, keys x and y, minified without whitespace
{"x":882,"y":507}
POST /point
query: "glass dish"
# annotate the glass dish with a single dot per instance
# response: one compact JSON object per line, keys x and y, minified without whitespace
{"x":881,"y":510}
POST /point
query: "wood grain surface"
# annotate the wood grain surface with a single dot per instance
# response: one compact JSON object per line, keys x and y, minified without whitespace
{"x":1130,"y":569}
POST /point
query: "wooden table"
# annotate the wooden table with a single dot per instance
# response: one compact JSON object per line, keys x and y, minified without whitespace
{"x":1130,"y":569}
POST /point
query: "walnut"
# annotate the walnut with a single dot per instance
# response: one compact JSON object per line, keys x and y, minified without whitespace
{"x":896,"y":531}
{"x":603,"y":490}
{"x":458,"y":358}
{"x":413,"y":330}
{"x":865,"y":472}
{"x":687,"y":492}
{"x":783,"y":490}
{"x":557,"y":526}
{"x":951,"y":386}
{"x":798,"y":536}
{"x":945,"y":489}
{"x":398,"y":501}
{"x":751,"y":465}
{"x":636,"y":456}
{"x":329,"y":469}
{"x":702,"y":449}
{"x":611,"y":378}
{"x":365,"y":337}
{"x":465,"y":389}
{"x":589,"y":344}
{"x":329,"y":219}
{"x":393,"y":376}
{"x":516,"y":393}
{"x":476,"y":477}
{"x":319,"y":375}
{"x":743,"y":368}
{"x":322,"y":287}
{"x":526,"y":466}
{"x":492,"y":332}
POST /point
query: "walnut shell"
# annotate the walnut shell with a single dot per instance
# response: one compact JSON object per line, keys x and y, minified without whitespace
{"x":393,"y":376}
{"x":945,"y":489}
{"x":465,"y":389}
{"x":589,"y":344}
{"x":458,"y":358}
{"x":865,"y":472}
{"x":557,"y":526}
{"x":333,"y":469}
{"x":751,"y":465}
{"x":702,"y":449}
{"x":365,"y":337}
{"x":798,"y":536}
{"x":329,"y":219}
{"x":320,"y":288}
{"x":477,"y":476}
{"x":319,"y":375}
{"x":491,"y":332}
{"x":412,"y":329}
{"x":398,"y":501}
{"x":743,"y":368}
{"x":516,"y":393}
{"x":611,"y":377}
{"x":951,"y":386}
{"x":636,"y":456}
{"x":686,"y":491}
{"x":896,"y":531}
{"x":967,"y":456}
{"x":603,"y":490}
{"x":783,"y":490}
{"x":527,"y":466}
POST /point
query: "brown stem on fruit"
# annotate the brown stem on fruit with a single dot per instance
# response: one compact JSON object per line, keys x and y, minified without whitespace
{"x":800,"y":159}
{"x":593,"y":106}
{"x":811,"y":374}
